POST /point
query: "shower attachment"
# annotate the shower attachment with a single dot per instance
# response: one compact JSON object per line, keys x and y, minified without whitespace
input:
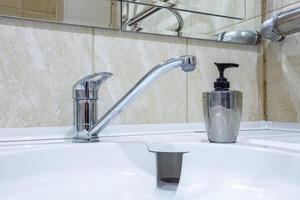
{"x":281,"y":25}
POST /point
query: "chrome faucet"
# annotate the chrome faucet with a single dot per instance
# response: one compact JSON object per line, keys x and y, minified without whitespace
{"x":85,"y":96}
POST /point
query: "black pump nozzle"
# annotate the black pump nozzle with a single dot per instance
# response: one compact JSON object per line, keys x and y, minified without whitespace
{"x":221,"y":83}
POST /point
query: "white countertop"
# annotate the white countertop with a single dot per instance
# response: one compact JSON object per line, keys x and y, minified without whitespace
{"x":161,"y":137}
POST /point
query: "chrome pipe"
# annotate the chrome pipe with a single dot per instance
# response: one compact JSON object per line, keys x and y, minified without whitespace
{"x":281,"y":25}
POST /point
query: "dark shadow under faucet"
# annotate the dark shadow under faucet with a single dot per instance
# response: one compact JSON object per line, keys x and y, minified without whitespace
{"x":85,"y":96}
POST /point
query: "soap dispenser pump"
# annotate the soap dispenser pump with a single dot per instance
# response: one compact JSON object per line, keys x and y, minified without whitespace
{"x":222,"y":109}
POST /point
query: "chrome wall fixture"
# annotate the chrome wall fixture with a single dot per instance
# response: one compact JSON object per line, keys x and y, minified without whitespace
{"x":242,"y":37}
{"x":281,"y":25}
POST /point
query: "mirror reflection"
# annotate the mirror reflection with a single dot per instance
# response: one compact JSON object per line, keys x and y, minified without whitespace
{"x":222,"y":20}
{"x":96,"y":13}
{"x":214,"y":19}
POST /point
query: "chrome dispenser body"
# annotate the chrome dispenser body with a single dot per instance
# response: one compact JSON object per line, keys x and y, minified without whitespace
{"x":222,"y":109}
{"x":222,"y":115}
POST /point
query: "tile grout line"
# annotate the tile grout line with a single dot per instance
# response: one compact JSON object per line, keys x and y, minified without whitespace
{"x":186,"y":88}
{"x":93,"y":51}
{"x":264,"y":64}
{"x":245,"y":9}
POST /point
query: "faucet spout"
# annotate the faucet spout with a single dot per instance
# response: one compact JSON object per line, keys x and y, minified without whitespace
{"x":187,"y":64}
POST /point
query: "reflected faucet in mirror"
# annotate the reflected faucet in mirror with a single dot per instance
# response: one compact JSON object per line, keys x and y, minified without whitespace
{"x":85,"y":97}
{"x":132,"y":18}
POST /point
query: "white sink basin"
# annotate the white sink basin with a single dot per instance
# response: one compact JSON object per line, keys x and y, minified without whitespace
{"x":232,"y":172}
{"x":119,"y":171}
{"x":79,"y":171}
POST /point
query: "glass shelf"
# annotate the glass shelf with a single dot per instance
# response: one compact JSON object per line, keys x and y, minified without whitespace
{"x":231,"y":9}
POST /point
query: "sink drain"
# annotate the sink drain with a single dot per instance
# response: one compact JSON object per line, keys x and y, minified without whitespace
{"x":169,"y":166}
{"x":170,"y":179}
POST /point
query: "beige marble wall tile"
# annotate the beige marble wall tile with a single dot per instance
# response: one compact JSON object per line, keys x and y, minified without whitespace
{"x":11,"y":11}
{"x":283,"y":98}
{"x":45,"y":6}
{"x":250,"y":24}
{"x":283,"y":79}
{"x":12,"y":3}
{"x":227,"y":8}
{"x":39,"y":62}
{"x":246,"y":78}
{"x":39,"y":15}
{"x":273,"y":5}
{"x":130,"y":56}
{"x":206,"y":24}
{"x":253,"y":8}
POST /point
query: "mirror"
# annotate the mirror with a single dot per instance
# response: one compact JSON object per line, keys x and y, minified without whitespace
{"x":95,"y":13}
{"x":222,"y":20}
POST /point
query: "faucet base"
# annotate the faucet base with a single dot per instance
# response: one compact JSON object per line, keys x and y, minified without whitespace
{"x":85,"y":140}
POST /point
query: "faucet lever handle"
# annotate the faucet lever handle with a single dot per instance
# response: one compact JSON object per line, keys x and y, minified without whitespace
{"x":87,"y":87}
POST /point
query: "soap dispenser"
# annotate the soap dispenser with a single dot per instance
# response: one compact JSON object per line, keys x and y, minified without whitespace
{"x":222,"y":109}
